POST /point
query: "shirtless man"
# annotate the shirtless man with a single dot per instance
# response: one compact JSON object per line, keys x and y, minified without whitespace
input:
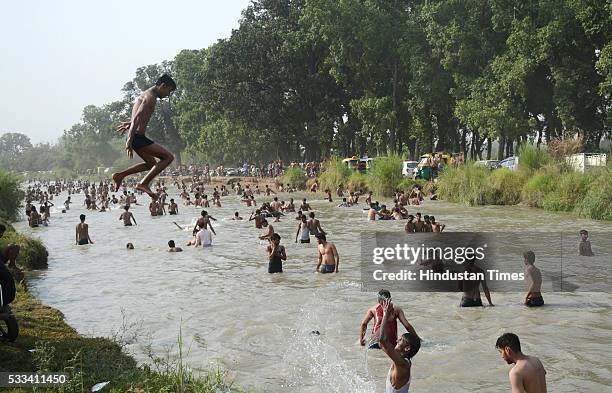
{"x":584,"y":245}
{"x":258,"y":217}
{"x":172,"y":208}
{"x":82,"y":232}
{"x":154,"y":207}
{"x":528,"y":374}
{"x":204,"y":222}
{"x":236,"y":217}
{"x":269,"y":230}
{"x":376,"y":313}
{"x":127,"y":217}
{"x":471,"y":288}
{"x":139,"y":143}
{"x":275,"y":205}
{"x":372,"y":213}
{"x":409,"y":227}
{"x":172,"y":247}
{"x":401,"y":352}
{"x":314,"y":225}
{"x":534,"y":281}
{"x":419,"y":225}
{"x":328,"y":256}
{"x":304,"y":206}
{"x":290,"y":207}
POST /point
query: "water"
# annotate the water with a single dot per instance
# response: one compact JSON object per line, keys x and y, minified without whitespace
{"x":234,"y":314}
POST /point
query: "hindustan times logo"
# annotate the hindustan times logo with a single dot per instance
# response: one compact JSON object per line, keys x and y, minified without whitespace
{"x":412,"y":254}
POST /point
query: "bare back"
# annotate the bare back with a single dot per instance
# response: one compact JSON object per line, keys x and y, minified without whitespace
{"x":534,"y":279}
{"x":528,"y":375}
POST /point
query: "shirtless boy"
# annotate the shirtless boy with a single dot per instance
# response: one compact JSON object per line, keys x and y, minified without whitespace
{"x":82,"y":232}
{"x":127,"y":217}
{"x":528,"y":374}
{"x":137,"y":142}
{"x":534,"y":281}
{"x":328,"y":256}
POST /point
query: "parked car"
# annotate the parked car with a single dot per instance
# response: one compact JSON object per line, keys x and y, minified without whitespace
{"x":490,"y":164}
{"x":510,"y":163}
{"x":408,"y":168}
{"x":425,"y":170}
{"x":232,"y":172}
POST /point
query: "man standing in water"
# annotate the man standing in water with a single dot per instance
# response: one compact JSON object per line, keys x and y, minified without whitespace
{"x":139,"y":143}
{"x":584,"y":245}
{"x":328,"y":255}
{"x":534,"y":281}
{"x":528,"y":374}
{"x":376,"y":312}
{"x":127,"y":217}
{"x":82,"y":232}
{"x":471,"y":288}
{"x":401,"y":352}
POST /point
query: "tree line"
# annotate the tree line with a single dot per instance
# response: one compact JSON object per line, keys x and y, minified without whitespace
{"x":306,"y":79}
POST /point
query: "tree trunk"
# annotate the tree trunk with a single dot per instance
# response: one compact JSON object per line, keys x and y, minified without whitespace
{"x":489,"y":147}
{"x":501,"y":148}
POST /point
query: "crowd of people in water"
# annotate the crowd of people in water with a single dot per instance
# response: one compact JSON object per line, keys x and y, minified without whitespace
{"x":528,"y":373}
{"x":100,"y":197}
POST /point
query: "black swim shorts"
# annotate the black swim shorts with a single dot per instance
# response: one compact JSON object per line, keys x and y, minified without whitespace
{"x":328,"y":268}
{"x":535,"y":302}
{"x":465,"y":302}
{"x":82,"y":242}
{"x":140,"y":141}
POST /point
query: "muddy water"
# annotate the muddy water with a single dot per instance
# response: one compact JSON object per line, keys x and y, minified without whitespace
{"x":234,"y":314}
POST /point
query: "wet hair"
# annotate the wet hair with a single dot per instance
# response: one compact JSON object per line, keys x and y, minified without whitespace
{"x":236,"y":214}
{"x":129,"y":246}
{"x":414,"y":342}
{"x":303,"y":218}
{"x":171,"y":243}
{"x":529,"y":257}
{"x":126,"y":207}
{"x":508,"y":340}
{"x":166,"y":80}
{"x":276,"y":199}
{"x":276,"y":236}
{"x":82,"y":217}
{"x":311,"y":214}
{"x":204,"y":213}
{"x":584,"y":232}
{"x":321,"y":237}
{"x":418,"y":214}
{"x":384,"y":294}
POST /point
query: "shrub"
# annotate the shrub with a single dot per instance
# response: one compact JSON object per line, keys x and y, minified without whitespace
{"x":505,"y":186}
{"x":408,"y":183}
{"x":33,"y":254}
{"x":597,"y":203}
{"x":532,"y":158}
{"x":571,"y":188}
{"x":10,"y":196}
{"x":334,"y":173}
{"x":357,"y":182}
{"x":385,"y":175}
{"x":296,"y":177}
{"x":537,"y":187}
{"x":467,"y":184}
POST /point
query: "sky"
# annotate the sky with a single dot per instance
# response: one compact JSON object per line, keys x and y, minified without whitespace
{"x":59,"y":56}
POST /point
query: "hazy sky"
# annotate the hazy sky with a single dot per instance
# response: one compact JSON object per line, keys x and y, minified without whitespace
{"x":60,"y":55}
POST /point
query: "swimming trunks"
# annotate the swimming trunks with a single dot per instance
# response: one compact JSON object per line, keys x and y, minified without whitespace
{"x":172,"y":213}
{"x":275,"y":265}
{"x":304,"y":241}
{"x":328,"y":268}
{"x":536,"y":301}
{"x":83,"y":242}
{"x":140,"y":141}
{"x":374,"y":345}
{"x":466,"y":302}
{"x":127,"y":224}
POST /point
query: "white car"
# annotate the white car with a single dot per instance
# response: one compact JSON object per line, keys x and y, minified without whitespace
{"x":408,"y":168}
{"x":510,"y":163}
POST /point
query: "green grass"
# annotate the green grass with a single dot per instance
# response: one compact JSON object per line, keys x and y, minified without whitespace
{"x":334,"y":174}
{"x":385,"y":175}
{"x":10,"y":196}
{"x":597,"y":202}
{"x":538,"y":186}
{"x":532,"y":158}
{"x":357,"y":182}
{"x":296,"y":177}
{"x":33,"y":254}
{"x":467,"y":184}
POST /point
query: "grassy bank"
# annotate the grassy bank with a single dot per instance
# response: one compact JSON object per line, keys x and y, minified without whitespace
{"x":46,"y":343}
{"x":383,"y":178}
{"x":538,"y":182}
